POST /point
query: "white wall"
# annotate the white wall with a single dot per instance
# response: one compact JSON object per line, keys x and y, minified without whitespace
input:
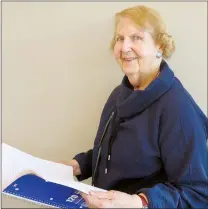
{"x":58,"y":70}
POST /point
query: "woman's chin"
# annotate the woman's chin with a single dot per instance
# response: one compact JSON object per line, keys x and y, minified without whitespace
{"x":130,"y":71}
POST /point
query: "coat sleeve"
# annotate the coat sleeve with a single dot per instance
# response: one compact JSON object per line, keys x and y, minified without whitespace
{"x":184,"y":154}
{"x":85,"y":162}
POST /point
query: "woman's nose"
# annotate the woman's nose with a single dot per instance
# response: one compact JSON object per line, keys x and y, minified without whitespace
{"x":126,"y":45}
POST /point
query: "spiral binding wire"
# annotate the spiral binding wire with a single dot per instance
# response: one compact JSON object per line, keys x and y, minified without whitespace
{"x":33,"y":201}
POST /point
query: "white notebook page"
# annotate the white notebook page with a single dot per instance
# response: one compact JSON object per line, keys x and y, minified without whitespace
{"x":16,"y":163}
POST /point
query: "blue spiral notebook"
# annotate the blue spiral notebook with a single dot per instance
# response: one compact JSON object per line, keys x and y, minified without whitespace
{"x":35,"y":189}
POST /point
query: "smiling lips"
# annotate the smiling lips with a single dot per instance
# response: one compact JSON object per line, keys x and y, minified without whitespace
{"x":128,"y":59}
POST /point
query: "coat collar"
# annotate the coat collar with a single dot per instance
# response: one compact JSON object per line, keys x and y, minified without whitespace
{"x":130,"y":102}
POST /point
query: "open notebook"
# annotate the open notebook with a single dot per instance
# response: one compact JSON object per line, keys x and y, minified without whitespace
{"x":40,"y":181}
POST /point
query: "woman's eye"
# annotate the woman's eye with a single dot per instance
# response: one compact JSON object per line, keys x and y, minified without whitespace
{"x":137,"y":38}
{"x":119,"y":39}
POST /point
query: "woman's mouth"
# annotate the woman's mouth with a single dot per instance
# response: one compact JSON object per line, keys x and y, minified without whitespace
{"x":129,"y":59}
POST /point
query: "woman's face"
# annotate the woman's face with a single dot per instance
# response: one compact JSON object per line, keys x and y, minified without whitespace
{"x":134,"y":49}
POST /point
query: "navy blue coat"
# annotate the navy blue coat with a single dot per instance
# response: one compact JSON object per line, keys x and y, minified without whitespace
{"x":151,"y":141}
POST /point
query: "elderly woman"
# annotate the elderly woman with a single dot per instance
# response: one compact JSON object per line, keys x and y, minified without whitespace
{"x":150,"y":148}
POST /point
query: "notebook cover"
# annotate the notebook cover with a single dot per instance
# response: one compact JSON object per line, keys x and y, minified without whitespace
{"x":35,"y":189}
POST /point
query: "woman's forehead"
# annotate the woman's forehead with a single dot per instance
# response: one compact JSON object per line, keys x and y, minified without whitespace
{"x":127,"y":26}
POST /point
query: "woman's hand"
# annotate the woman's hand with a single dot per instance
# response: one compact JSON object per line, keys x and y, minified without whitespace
{"x":111,"y":199}
{"x":75,"y":166}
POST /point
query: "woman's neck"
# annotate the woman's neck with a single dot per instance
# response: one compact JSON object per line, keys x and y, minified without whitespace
{"x":141,"y":81}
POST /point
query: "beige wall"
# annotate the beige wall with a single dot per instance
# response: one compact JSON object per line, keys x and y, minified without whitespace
{"x":58,"y":71}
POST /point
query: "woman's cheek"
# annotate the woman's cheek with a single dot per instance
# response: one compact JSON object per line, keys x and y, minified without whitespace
{"x":139,"y":52}
{"x":143,"y":52}
{"x":117,"y":51}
